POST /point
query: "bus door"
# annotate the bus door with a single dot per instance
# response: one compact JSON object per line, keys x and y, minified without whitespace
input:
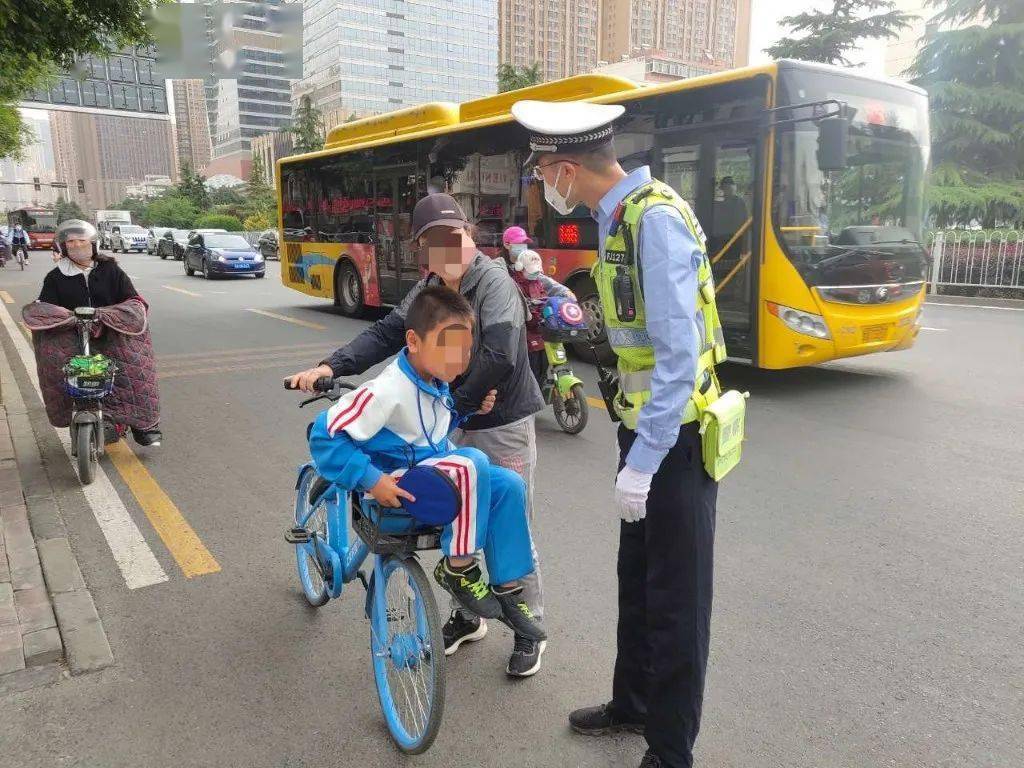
{"x":731,"y":223}
{"x":396,"y":191}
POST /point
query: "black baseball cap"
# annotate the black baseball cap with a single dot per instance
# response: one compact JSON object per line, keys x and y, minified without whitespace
{"x":436,"y":210}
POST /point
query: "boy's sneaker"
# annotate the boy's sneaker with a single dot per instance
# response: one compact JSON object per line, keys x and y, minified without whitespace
{"x":525,"y":658}
{"x":460,"y":629}
{"x":517,"y":616}
{"x":469,"y":589}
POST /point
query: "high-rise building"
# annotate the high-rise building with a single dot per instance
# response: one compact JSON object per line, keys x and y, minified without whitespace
{"x":709,"y":33}
{"x":109,"y":124}
{"x":191,"y":124}
{"x":365,"y":57}
{"x":16,"y":189}
{"x":563,"y":36}
{"x":653,"y":68}
{"x":259,"y":99}
{"x":108,"y":153}
{"x":271,"y":147}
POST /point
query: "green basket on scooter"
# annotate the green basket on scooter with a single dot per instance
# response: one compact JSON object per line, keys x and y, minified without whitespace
{"x":89,"y":376}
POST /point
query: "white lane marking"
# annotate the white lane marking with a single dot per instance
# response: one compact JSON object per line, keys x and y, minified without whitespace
{"x":926,"y":328}
{"x":138,"y":564}
{"x":972,"y":306}
{"x":181,"y":290}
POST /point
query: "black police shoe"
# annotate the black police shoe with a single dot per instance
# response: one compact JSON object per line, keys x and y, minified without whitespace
{"x":651,"y":760}
{"x":461,"y":628}
{"x":517,"y":616}
{"x":469,"y":589}
{"x":601,"y":720}
{"x":525,"y":658}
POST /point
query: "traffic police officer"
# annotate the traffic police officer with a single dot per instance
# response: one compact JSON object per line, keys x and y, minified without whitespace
{"x":654,"y":282}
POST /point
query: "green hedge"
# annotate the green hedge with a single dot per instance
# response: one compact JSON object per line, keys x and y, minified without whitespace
{"x":219,"y":221}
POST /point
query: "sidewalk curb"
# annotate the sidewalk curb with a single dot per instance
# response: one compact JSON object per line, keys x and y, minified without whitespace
{"x":85,"y":644}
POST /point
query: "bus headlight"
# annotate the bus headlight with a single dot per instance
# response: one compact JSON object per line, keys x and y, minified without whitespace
{"x":802,"y":322}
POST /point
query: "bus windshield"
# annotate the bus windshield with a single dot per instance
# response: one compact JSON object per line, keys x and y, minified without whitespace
{"x":36,"y":221}
{"x":860,"y":225}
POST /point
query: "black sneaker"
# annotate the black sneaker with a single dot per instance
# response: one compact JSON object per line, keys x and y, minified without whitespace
{"x":469,"y":589}
{"x":601,"y":720}
{"x":525,"y":658}
{"x":460,"y":629}
{"x":147,"y":437}
{"x":517,"y":616}
{"x":651,"y":760}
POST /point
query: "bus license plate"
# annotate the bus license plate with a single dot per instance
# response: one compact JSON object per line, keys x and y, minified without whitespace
{"x":874,"y":332}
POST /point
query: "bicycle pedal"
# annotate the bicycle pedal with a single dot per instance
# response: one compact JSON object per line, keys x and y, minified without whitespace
{"x":298,"y":536}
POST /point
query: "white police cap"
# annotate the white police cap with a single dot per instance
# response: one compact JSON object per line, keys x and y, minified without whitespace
{"x":565,"y":126}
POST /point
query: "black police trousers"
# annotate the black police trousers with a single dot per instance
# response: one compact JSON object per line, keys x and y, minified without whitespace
{"x":665,"y":571}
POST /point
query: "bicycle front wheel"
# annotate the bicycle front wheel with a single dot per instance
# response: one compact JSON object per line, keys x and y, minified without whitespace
{"x":314,"y":520}
{"x":408,"y":654}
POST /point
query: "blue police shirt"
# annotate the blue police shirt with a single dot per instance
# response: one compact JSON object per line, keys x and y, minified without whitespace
{"x":670,"y":256}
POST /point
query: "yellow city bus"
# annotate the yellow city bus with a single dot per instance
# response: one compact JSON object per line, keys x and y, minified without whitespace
{"x":810,"y":265}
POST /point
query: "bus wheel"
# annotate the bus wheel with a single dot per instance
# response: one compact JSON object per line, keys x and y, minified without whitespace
{"x":586,"y":292}
{"x":348,"y":291}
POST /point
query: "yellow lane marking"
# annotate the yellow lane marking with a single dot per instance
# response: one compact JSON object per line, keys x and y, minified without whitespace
{"x":597,"y":402}
{"x":182,"y":290}
{"x":8,"y":299}
{"x":188,"y":551}
{"x":285,"y":318}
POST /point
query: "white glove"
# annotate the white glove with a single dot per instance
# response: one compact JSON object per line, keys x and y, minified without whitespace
{"x":631,"y":490}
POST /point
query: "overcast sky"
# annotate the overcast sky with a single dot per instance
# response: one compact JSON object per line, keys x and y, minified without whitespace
{"x":765,"y":30}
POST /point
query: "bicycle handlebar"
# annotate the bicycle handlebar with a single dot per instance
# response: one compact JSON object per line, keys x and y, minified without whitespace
{"x":323,"y":384}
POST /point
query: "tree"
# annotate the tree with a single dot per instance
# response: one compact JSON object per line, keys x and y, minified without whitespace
{"x":68,"y":209}
{"x":512,"y":78}
{"x":193,"y":186}
{"x":257,"y":175}
{"x":974,"y":76}
{"x":258,"y":221}
{"x":172,"y":210}
{"x":219,"y":221}
{"x":308,"y":130}
{"x":44,"y":38}
{"x":827,"y":36}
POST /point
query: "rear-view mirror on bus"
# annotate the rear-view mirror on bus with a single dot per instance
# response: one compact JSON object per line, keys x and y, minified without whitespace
{"x":833,"y":139}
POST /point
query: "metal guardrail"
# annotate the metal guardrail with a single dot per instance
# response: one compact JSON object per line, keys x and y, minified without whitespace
{"x":977,"y":259}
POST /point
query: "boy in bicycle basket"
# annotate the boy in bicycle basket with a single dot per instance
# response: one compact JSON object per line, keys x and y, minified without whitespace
{"x":381,"y":437}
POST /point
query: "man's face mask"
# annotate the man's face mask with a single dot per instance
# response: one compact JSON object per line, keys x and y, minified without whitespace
{"x":556,"y":199}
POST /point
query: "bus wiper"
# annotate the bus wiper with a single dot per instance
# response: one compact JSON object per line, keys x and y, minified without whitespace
{"x":853,"y":250}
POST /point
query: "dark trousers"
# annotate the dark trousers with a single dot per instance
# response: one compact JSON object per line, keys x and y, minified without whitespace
{"x":665,"y":573}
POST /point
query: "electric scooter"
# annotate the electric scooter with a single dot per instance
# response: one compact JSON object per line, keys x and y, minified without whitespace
{"x":563,"y":321}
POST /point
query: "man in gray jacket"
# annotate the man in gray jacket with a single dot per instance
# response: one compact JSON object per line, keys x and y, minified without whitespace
{"x":499,"y":361}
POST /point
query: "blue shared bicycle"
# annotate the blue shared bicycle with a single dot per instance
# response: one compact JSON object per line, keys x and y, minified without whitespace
{"x":406,"y":645}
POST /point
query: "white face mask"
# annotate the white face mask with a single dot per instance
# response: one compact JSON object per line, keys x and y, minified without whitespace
{"x":80,"y":254}
{"x":556,"y":199}
{"x":515,"y":249}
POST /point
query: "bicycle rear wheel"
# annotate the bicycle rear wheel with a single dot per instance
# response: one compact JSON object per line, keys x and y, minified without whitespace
{"x":407,"y":649}
{"x":315,"y":521}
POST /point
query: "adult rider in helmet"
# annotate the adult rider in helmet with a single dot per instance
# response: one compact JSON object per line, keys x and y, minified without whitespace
{"x":84,"y":277}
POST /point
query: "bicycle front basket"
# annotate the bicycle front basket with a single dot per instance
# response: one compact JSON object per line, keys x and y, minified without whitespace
{"x":89,"y":377}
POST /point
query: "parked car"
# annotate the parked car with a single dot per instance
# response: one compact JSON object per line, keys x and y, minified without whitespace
{"x":215,"y":254}
{"x":153,"y":237}
{"x":172,"y":244}
{"x":127,"y":237}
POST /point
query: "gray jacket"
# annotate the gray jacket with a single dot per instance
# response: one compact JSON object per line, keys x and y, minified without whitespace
{"x":499,"y":360}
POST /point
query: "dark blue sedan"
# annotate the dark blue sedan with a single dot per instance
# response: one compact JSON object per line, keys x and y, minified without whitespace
{"x":217,"y":254}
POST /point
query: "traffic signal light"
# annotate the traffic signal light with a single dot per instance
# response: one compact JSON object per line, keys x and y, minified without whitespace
{"x":81,"y":186}
{"x":35,"y":182}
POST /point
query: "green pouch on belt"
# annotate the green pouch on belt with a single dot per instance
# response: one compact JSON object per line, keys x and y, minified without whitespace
{"x":721,"y":430}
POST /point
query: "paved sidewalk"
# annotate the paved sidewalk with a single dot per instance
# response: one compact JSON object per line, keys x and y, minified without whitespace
{"x":48,"y":622}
